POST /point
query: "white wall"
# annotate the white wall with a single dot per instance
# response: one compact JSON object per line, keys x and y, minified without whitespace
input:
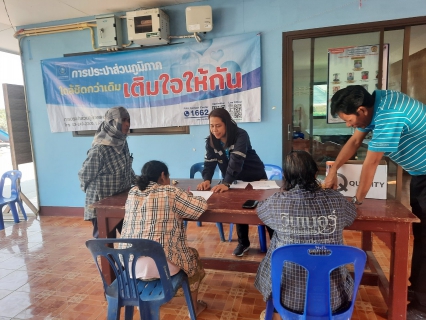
{"x":58,"y":156}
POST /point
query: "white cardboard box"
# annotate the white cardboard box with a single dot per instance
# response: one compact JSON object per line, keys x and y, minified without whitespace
{"x":348,"y":180}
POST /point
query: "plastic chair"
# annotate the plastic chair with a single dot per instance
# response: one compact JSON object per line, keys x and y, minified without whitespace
{"x":198,"y":167}
{"x":319,"y":261}
{"x":272,"y":171}
{"x":14,"y":198}
{"x":129,"y":292}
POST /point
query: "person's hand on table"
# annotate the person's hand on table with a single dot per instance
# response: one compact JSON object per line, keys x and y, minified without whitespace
{"x":220,"y":188}
{"x":205,"y":185}
{"x":330,"y":181}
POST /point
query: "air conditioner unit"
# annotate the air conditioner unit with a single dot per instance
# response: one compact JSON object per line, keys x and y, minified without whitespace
{"x":148,"y":27}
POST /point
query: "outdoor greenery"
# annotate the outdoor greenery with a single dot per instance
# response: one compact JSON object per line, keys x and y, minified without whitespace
{"x":3,"y":122}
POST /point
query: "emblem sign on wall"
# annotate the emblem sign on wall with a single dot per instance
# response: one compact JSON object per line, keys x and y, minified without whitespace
{"x":354,"y":66}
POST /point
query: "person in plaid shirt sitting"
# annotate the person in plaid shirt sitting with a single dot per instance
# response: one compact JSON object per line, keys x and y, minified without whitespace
{"x":155,"y":210}
{"x":304,"y":213}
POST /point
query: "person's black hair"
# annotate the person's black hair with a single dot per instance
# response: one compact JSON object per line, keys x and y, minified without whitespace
{"x":300,"y":169}
{"x":151,"y":172}
{"x":349,"y":99}
{"x":230,"y":125}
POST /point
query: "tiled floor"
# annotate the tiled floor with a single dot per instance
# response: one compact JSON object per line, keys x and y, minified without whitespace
{"x":46,"y":272}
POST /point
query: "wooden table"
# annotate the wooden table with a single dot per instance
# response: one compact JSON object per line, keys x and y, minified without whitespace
{"x":388,"y":216}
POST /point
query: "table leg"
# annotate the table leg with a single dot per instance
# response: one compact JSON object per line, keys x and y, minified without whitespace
{"x":399,"y":273}
{"x":106,"y":227}
{"x":366,"y":241}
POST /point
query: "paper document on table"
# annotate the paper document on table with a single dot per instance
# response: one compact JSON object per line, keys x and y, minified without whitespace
{"x":267,"y":184}
{"x":239,"y":185}
{"x":205,"y":194}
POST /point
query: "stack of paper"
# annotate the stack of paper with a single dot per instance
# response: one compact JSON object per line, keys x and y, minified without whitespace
{"x":205,"y":194}
{"x":239,"y":185}
{"x":268,"y":184}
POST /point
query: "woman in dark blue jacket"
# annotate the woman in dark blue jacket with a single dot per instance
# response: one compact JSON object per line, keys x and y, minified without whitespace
{"x":229,"y":147}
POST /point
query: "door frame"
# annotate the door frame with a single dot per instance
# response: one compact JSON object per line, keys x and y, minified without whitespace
{"x":287,"y":66}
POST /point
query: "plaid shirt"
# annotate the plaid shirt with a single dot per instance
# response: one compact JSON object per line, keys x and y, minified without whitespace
{"x":300,"y":216}
{"x":105,"y":172}
{"x":157,"y":213}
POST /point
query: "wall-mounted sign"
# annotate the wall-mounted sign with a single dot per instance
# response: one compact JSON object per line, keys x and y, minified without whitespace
{"x":172,"y":85}
{"x":355,"y":66}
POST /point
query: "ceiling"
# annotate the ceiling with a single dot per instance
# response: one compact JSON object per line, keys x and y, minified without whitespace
{"x":15,"y":13}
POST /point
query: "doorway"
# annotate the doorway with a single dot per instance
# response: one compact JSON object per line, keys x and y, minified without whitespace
{"x":310,"y":79}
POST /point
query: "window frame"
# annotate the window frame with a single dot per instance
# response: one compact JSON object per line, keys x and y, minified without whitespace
{"x":141,"y":131}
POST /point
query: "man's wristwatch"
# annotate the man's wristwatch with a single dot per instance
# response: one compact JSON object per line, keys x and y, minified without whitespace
{"x":226,"y":184}
{"x":355,"y":201}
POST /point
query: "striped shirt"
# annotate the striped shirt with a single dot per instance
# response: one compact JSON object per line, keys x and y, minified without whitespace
{"x":300,"y":216}
{"x":157,"y":213}
{"x":399,"y":130}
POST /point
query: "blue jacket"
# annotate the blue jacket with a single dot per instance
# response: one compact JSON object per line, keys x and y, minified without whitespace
{"x":243,"y":164}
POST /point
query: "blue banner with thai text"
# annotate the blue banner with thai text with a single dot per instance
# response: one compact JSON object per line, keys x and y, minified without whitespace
{"x":172,"y":85}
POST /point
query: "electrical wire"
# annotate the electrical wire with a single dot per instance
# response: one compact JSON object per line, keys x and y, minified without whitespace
{"x":195,"y":35}
{"x":55,"y":29}
{"x":181,"y":37}
{"x":7,"y":12}
{"x":93,"y":38}
{"x":127,"y":45}
{"x":6,"y":29}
